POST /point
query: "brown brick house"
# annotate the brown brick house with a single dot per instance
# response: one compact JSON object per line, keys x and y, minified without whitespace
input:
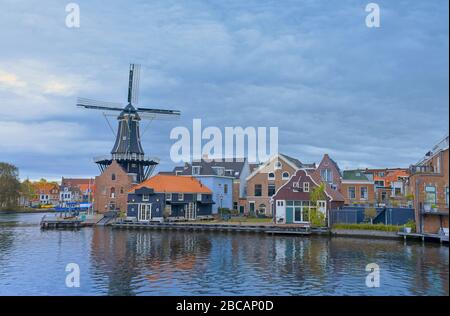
{"x":265,"y":180}
{"x":429,"y":183}
{"x":111,"y":189}
{"x":357,"y":187}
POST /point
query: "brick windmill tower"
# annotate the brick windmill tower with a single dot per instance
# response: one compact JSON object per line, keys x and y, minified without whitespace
{"x":127,"y":163}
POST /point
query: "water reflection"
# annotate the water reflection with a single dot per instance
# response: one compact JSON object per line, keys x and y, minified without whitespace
{"x":140,"y":262}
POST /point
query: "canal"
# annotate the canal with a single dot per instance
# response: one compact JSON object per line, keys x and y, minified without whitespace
{"x":140,"y":262}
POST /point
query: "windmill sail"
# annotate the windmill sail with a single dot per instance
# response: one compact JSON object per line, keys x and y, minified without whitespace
{"x":127,"y":149}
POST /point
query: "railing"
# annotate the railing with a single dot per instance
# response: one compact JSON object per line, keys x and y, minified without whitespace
{"x":414,"y":169}
{"x":126,"y":157}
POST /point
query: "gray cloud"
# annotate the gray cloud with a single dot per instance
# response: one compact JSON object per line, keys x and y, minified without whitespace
{"x":369,"y":97}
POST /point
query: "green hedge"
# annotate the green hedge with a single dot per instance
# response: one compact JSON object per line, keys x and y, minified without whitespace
{"x":382,"y":227}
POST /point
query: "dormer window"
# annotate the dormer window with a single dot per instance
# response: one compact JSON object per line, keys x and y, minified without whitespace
{"x":195,"y":170}
{"x":271,"y":176}
{"x":168,"y":197}
{"x":285,"y":176}
{"x":220,"y":171}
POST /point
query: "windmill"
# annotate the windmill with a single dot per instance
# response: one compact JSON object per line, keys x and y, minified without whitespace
{"x":127,"y":150}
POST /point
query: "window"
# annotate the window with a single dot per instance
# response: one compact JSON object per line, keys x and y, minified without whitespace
{"x":438,"y":165}
{"x":364,"y":193}
{"x":305,"y":186}
{"x":112,"y":193}
{"x":121,"y":190}
{"x":220,"y":171}
{"x":430,"y":195}
{"x":262,"y":209}
{"x":251,"y":207}
{"x":295,"y":185}
{"x":351,"y":193}
{"x":271,"y":176}
{"x":278,"y":165}
{"x":145,"y":197}
{"x":326,"y":175}
{"x":258,"y":190}
{"x":225,"y":189}
{"x":168,"y":197}
{"x":271,"y":189}
{"x":285,"y":176}
{"x":180,"y":196}
{"x":397,"y":191}
{"x":379,"y":183}
{"x":113,"y":177}
{"x":235,"y":205}
{"x":446,"y":196}
{"x":195,"y":170}
{"x":299,"y":210}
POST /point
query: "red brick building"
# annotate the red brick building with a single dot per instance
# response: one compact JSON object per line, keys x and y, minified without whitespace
{"x":111,"y":189}
{"x":429,"y":183}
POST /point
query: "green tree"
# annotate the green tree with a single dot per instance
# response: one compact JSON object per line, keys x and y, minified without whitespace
{"x":316,"y":217}
{"x":27,"y":189}
{"x":9,"y":186}
{"x":370,"y":213}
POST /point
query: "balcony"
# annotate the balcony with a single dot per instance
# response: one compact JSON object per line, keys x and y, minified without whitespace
{"x":418,"y":169}
{"x":434,"y":209}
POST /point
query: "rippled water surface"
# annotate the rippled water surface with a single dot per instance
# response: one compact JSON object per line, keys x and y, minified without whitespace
{"x":139,"y":262}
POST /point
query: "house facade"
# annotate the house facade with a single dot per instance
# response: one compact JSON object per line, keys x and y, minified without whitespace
{"x":111,"y":189}
{"x":265,"y":180}
{"x":226,"y":178}
{"x":47,"y":193}
{"x":169,"y":197}
{"x":389,"y":185}
{"x":293,"y":203}
{"x":85,"y":188}
{"x":429,"y":184}
{"x":329,"y":172}
{"x":357,"y":187}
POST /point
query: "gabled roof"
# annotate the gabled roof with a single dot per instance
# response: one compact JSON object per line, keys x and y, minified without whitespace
{"x":335,"y":195}
{"x":208,"y":167}
{"x":355,"y":175}
{"x":327,"y":157}
{"x":293,"y":162}
{"x":170,"y":183}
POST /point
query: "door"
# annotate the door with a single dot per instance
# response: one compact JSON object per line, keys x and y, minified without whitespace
{"x":190,"y":211}
{"x":280,"y":211}
{"x":322,"y":207}
{"x":144,"y":213}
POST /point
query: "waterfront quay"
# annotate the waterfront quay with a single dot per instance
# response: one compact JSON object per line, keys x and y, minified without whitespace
{"x":224,"y":227}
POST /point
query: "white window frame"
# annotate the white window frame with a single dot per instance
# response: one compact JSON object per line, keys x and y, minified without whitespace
{"x":168,"y":196}
{"x":305,"y":186}
{"x":145,"y":197}
{"x":269,"y":177}
{"x":365,"y":198}
{"x":283,"y":177}
{"x":180,"y":196}
{"x":196,"y":168}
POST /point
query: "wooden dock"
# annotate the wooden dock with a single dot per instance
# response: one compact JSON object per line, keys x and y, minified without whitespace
{"x":60,"y":223}
{"x":268,"y":229}
{"x":423,"y":237}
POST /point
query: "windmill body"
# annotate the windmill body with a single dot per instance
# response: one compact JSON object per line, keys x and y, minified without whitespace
{"x":127,"y":150}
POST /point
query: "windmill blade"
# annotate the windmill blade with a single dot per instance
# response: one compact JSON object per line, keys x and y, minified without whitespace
{"x":159,"y":111}
{"x":99,"y":105}
{"x":157,"y":116}
{"x":133,"y":83}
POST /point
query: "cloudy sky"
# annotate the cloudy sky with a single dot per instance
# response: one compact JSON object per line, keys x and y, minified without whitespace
{"x":370,"y":97}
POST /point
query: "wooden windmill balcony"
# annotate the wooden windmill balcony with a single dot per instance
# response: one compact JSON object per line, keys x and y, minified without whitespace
{"x":131,"y":157}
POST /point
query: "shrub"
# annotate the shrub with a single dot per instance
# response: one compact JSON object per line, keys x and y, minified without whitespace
{"x":380,"y":227}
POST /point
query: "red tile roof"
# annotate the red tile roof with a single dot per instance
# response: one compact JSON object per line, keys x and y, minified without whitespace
{"x":172,"y":183}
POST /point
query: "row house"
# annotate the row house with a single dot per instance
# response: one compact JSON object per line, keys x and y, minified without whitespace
{"x":357,"y":187}
{"x":429,"y":184}
{"x":266,"y":179}
{"x":390,"y":184}
{"x":77,"y":189}
{"x":226,"y":178}
{"x":47,"y":193}
{"x":330,"y":172}
{"x":169,"y":197}
{"x":293,"y":203}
